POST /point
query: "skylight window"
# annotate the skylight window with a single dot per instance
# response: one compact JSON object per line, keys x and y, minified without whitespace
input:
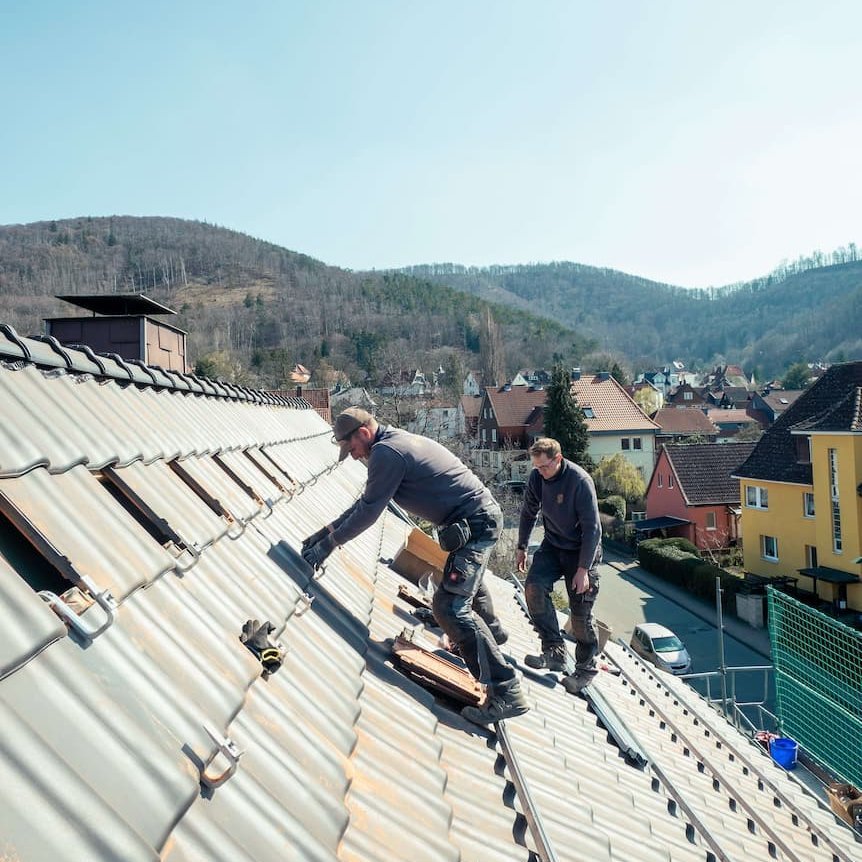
{"x":588,"y":413}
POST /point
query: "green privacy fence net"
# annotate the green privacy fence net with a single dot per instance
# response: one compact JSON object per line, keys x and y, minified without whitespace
{"x":818,"y":683}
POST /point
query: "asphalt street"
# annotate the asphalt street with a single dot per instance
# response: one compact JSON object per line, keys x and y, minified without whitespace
{"x":628,"y":595}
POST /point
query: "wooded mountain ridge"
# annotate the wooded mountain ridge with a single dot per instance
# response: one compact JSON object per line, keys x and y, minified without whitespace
{"x":253,"y":309}
{"x":808,"y":310}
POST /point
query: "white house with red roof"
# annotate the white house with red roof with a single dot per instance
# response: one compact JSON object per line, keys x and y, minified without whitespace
{"x":510,"y":419}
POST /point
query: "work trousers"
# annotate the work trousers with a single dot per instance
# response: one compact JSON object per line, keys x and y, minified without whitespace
{"x":463,"y":607}
{"x":548,"y":566}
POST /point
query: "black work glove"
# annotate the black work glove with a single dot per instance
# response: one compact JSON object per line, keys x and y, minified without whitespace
{"x":316,"y":554}
{"x":314,"y":538}
{"x":256,"y":636}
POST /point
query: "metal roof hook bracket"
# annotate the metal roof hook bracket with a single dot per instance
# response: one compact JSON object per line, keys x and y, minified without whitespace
{"x":303,"y":603}
{"x":241,"y":524}
{"x":231,"y":752}
{"x":76,"y":623}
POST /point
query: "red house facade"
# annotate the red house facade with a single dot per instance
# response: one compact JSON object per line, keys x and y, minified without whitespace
{"x":692,"y":494}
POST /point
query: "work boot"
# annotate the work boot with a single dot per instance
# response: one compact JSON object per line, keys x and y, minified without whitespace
{"x":577,"y":682}
{"x":500,"y":635}
{"x":497,"y":707}
{"x":553,"y":658}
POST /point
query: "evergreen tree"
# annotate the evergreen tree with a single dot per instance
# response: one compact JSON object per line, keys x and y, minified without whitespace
{"x":797,"y":376}
{"x":618,"y":373}
{"x":564,"y":420}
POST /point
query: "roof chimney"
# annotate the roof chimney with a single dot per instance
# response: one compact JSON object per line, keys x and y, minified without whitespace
{"x":126,"y":327}
{"x":603,"y":375}
{"x":575,"y":374}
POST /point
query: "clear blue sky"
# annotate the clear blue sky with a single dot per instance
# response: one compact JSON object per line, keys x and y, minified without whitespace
{"x":690,"y":142}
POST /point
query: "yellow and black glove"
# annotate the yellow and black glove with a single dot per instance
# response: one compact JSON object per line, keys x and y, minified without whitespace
{"x":256,"y":636}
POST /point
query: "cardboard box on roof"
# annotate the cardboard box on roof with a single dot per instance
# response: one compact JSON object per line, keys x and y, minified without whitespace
{"x":845,"y":801}
{"x":419,"y":557}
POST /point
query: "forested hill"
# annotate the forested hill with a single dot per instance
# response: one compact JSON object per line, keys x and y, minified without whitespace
{"x":805,"y":311}
{"x":253,"y":309}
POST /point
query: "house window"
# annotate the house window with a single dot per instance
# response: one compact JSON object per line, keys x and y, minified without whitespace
{"x":710,"y":520}
{"x":670,"y":480}
{"x":836,"y":505}
{"x":810,"y":557}
{"x":808,"y":504}
{"x":484,"y":436}
{"x":769,"y":548}
{"x":756,"y":497}
{"x":660,"y":481}
{"x":625,"y":443}
{"x":493,"y":435}
{"x":588,"y":413}
{"x":803,"y":450}
{"x":687,"y":396}
{"x":636,"y":442}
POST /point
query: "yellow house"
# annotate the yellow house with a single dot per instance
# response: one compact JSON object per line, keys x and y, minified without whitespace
{"x":801,"y":492}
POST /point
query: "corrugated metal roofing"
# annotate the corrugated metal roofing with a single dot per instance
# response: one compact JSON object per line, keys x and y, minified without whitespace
{"x":104,"y":739}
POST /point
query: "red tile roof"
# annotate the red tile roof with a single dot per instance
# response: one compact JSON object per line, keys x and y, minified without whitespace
{"x":512,"y":407}
{"x":735,"y":414}
{"x":685,"y":420}
{"x":613,"y":407}
{"x":705,"y":470}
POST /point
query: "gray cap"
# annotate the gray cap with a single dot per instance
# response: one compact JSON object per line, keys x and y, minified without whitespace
{"x":346,"y":423}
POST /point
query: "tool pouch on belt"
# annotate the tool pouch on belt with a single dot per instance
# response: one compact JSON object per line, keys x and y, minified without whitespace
{"x":454,"y":536}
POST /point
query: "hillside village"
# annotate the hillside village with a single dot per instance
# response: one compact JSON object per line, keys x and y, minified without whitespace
{"x":146,"y":486}
{"x":431,"y":432}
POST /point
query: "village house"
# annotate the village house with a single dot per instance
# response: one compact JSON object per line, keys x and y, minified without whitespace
{"x":766,"y":407}
{"x":511,"y":418}
{"x":730,"y":422}
{"x":439,"y":422}
{"x":504,"y":415}
{"x":676,"y":425}
{"x":692,"y":494}
{"x":474,"y":384}
{"x":468,"y":408}
{"x":409,"y":384}
{"x":801,"y":490}
{"x":686,"y":395}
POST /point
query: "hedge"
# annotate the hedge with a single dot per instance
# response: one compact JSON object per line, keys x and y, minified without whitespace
{"x":614,"y":505}
{"x":676,"y":561}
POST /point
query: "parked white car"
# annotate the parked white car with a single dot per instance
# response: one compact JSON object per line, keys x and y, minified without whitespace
{"x":661,"y":647}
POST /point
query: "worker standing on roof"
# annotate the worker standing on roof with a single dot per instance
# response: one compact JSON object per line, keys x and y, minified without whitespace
{"x":429,"y":481}
{"x":571,"y":549}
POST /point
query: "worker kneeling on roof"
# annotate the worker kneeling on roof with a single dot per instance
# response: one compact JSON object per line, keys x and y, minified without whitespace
{"x":429,"y":481}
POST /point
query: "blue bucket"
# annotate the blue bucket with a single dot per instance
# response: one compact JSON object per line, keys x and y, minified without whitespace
{"x":784,"y":751}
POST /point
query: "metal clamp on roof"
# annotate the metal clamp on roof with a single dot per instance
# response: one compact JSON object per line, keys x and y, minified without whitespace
{"x":179,"y":548}
{"x":231,"y":752}
{"x":519,"y":593}
{"x":67,"y":613}
{"x":303,"y":603}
